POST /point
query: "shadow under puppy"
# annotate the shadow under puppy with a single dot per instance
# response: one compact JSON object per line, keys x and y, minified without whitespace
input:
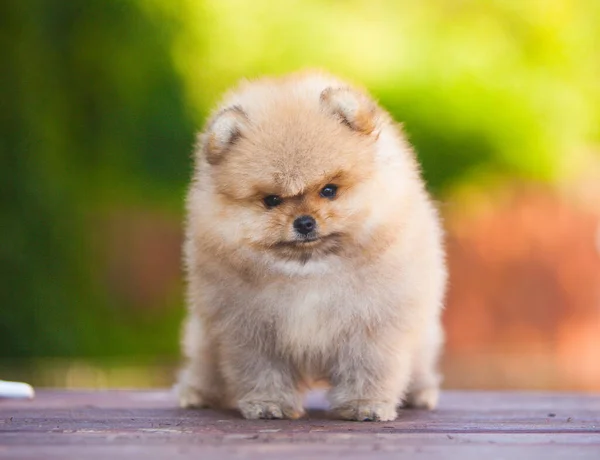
{"x":313,"y":254}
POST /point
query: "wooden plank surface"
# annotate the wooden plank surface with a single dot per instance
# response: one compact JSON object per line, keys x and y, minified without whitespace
{"x":148,"y":425}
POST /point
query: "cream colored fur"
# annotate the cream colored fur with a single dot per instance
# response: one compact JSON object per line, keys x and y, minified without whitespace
{"x":270,"y":316}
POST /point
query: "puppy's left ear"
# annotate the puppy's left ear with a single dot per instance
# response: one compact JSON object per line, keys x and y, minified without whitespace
{"x":223,"y":131}
{"x":353,"y":108}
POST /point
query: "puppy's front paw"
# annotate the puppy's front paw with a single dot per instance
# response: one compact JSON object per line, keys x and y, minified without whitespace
{"x":253,"y":410}
{"x":367,"y":411}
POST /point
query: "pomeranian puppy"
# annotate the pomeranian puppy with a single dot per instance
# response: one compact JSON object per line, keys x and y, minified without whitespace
{"x":313,"y":254}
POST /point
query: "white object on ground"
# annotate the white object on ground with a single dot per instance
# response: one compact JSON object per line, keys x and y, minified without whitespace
{"x":16,"y":390}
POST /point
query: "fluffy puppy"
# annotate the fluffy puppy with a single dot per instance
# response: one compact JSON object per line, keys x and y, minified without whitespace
{"x":313,"y":254}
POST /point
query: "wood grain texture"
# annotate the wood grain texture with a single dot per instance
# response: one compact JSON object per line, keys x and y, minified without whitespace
{"x":147,"y":424}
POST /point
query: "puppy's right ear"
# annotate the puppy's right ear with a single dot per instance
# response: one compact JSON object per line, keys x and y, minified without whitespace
{"x":223,"y":131}
{"x":353,"y":108}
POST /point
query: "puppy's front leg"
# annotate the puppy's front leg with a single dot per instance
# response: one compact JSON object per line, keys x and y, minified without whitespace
{"x":263,"y":387}
{"x":368,"y":382}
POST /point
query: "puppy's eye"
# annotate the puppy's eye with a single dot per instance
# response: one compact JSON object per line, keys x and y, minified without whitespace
{"x":272,"y":200}
{"x":329,"y":191}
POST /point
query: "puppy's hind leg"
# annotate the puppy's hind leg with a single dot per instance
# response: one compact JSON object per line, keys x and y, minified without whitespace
{"x":423,"y":391}
{"x":200,"y":383}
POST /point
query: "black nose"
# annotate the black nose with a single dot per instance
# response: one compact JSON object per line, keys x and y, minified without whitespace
{"x":304,"y":225}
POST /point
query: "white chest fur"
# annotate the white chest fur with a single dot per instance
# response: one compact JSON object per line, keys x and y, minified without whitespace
{"x":312,"y":316}
{"x":309,"y":319}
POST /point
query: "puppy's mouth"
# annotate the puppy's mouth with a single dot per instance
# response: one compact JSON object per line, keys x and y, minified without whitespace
{"x":302,"y":249}
{"x":309,"y":241}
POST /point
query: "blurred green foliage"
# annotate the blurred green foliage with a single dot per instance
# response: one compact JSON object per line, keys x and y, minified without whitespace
{"x":101,"y":99}
{"x":93,"y":115}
